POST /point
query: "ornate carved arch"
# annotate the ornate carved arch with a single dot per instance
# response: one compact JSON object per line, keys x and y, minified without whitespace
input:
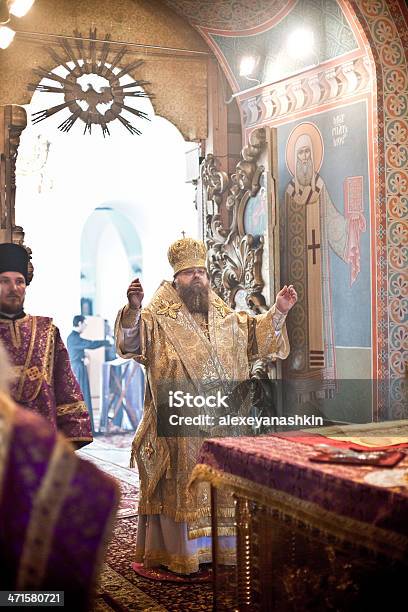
{"x":236,"y":257}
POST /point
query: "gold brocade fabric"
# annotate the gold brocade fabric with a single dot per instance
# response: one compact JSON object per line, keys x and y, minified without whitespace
{"x":177,"y":347}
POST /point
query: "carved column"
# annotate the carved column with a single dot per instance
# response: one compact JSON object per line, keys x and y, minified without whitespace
{"x":239,"y":264}
{"x":244,"y":267}
{"x":13,"y":120}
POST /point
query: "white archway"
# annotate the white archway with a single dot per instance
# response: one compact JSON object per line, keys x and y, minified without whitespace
{"x":105,"y":271}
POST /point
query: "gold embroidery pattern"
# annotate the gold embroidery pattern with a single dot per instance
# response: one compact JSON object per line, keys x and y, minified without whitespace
{"x":77,"y":408}
{"x":180,"y":516}
{"x":181,"y":564}
{"x":47,"y":505}
{"x":168,"y":309}
{"x":149,"y":450}
{"x":28,"y":358}
{"x":177,"y":346}
{"x":221,"y":307}
{"x":33,"y":373}
{"x":49,"y":355}
{"x":15,"y":332}
{"x":202,"y":323}
{"x":207,"y":531}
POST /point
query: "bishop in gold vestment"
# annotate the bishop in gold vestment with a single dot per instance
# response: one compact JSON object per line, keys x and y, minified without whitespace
{"x":187,"y":333}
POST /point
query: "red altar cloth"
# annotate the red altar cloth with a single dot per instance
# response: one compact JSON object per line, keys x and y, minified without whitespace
{"x":282,"y":464}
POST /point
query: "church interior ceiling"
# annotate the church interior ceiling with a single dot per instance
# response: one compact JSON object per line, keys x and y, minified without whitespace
{"x":333,"y":37}
{"x":229,"y":14}
{"x":236,"y":29}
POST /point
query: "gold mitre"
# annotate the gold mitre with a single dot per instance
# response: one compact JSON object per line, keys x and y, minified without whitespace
{"x":187,"y":253}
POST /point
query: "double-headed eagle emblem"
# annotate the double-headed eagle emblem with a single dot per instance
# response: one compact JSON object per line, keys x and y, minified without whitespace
{"x":91,"y":57}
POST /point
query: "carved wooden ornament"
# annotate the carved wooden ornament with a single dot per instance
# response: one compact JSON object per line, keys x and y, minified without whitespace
{"x":235,"y":257}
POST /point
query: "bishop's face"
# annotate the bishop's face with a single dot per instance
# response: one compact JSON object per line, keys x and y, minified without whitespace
{"x":304,"y":166}
{"x":192,"y":277}
{"x":192,"y":285}
{"x":12,"y":292}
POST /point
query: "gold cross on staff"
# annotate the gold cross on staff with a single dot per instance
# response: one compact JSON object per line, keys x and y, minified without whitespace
{"x":184,"y":234}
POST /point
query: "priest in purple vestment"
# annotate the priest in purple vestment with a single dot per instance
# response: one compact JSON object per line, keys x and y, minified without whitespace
{"x":56,"y":510}
{"x":44,"y":379}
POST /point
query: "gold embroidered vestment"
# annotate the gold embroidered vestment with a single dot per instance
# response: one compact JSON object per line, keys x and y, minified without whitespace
{"x":176,"y":346}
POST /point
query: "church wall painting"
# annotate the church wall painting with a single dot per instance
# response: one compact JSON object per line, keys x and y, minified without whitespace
{"x":325,"y":241}
{"x":381,"y":74}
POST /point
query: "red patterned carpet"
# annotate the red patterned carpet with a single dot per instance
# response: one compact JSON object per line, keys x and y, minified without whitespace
{"x":121,"y":589}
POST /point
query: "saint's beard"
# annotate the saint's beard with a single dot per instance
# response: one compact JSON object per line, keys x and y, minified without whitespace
{"x":195,"y":297}
{"x":304,"y":172}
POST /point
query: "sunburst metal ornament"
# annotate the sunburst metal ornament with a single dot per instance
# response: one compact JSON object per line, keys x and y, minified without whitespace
{"x":85,"y":59}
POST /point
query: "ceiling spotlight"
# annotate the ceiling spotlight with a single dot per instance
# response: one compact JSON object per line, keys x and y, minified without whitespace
{"x":247,"y":65}
{"x":300,"y":43}
{"x":19,"y":8}
{"x":6,"y":36}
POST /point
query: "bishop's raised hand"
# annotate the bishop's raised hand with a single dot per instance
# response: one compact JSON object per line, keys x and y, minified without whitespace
{"x":135,"y":294}
{"x":286,"y":298}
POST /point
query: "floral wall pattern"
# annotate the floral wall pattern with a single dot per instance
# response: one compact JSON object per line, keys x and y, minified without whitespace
{"x":385,"y":24}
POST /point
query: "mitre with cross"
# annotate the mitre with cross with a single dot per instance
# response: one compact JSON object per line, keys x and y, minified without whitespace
{"x":187,"y":253}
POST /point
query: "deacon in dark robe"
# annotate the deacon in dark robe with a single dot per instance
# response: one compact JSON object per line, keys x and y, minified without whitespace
{"x":76,"y":348}
{"x":56,"y":510}
{"x":44,"y":381}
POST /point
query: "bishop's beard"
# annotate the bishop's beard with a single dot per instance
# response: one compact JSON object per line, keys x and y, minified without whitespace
{"x":195,"y":298}
{"x":304,"y":172}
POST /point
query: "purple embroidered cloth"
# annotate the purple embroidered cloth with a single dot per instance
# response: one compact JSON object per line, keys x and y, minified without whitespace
{"x":44,"y":380}
{"x":56,"y":510}
{"x":283,"y":465}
